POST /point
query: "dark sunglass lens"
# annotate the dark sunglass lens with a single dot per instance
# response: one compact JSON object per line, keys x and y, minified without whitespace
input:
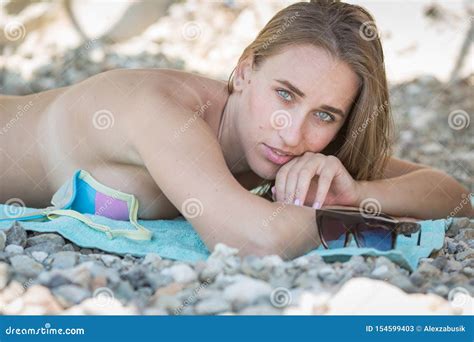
{"x":333,"y":232}
{"x":374,"y":236}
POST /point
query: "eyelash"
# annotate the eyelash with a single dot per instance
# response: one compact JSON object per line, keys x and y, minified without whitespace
{"x":287,"y":101}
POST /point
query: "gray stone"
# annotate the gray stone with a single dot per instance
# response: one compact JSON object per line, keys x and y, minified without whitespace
{"x":157,"y":280}
{"x":45,"y":238}
{"x":381,"y":272}
{"x":428,"y":270}
{"x":181,"y":273}
{"x":25,"y":265}
{"x":441,"y":290}
{"x":69,"y":248}
{"x":452,"y":266}
{"x":465,"y":235}
{"x":451,"y":246}
{"x":47,"y":247}
{"x":69,"y":295}
{"x":64,"y":259}
{"x":5,"y":274}
{"x":14,"y":249}
{"x":468,"y":254}
{"x":404,"y":282}
{"x":39,"y":256}
{"x":16,"y":235}
{"x":469,"y":271}
{"x":246,"y":291}
{"x":124,"y":291}
{"x":3,"y":240}
{"x":212,"y":269}
{"x":152,"y":259}
{"x":326,"y":272}
{"x":108,"y":259}
{"x":440,"y":262}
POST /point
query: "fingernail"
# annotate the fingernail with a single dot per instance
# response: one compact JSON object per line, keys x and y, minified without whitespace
{"x":297,"y":201}
{"x":273,"y":190}
{"x":316,"y":205}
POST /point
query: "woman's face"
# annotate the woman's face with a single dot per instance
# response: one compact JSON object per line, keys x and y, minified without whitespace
{"x":296,"y":102}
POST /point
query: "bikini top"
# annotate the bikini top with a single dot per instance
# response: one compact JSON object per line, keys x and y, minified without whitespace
{"x":83,"y":194}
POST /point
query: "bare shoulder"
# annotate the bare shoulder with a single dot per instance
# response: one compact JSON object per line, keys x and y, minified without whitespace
{"x":398,"y":167}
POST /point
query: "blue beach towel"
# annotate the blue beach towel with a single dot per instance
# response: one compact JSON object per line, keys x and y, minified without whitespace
{"x":176,"y":239}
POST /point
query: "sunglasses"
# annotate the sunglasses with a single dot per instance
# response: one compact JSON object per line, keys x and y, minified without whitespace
{"x":379,"y":231}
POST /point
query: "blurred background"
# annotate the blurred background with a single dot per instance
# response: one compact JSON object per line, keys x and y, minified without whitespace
{"x":427,"y":44}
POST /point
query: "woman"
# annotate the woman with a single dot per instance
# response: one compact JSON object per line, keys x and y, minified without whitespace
{"x":306,"y":106}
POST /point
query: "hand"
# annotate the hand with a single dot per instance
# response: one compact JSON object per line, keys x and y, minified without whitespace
{"x":315,"y":179}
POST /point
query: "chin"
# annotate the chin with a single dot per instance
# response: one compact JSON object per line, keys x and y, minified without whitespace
{"x":262,"y":167}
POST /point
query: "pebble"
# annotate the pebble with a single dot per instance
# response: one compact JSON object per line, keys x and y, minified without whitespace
{"x":181,"y":273}
{"x":469,"y":254}
{"x":212,"y":306}
{"x":16,"y":235}
{"x":45,"y":238}
{"x":39,"y":256}
{"x":381,"y":272}
{"x":69,"y":295}
{"x":25,"y":265}
{"x":64,"y":259}
{"x":14,"y":249}
{"x":246,"y":291}
{"x":3,"y":240}
{"x":5,"y":274}
{"x":108,"y":260}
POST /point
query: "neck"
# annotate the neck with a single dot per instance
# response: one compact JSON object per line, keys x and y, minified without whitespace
{"x":228,"y":137}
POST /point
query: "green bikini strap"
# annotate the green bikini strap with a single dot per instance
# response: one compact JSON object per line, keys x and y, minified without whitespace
{"x":140,"y":234}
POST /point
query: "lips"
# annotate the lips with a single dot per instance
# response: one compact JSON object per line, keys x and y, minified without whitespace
{"x":275,"y":157}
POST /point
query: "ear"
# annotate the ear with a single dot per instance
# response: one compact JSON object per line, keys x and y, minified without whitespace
{"x":243,"y":73}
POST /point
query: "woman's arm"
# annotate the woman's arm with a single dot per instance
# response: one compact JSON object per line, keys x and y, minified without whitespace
{"x":186,"y":162}
{"x":417,"y":191}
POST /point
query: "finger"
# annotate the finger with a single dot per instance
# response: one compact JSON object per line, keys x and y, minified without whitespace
{"x":291,"y":189}
{"x":304,"y":181}
{"x":280,"y":180}
{"x":324,"y":182}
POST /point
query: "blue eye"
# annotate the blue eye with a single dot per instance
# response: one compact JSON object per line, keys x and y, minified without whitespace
{"x":280,"y":91}
{"x":326,"y":116}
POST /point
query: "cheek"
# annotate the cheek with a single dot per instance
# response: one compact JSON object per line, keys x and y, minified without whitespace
{"x":317,"y":138}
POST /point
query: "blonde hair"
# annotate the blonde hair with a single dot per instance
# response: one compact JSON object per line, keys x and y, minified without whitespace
{"x":349,"y":33}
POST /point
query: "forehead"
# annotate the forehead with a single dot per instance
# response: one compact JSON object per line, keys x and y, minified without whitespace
{"x":314,"y":71}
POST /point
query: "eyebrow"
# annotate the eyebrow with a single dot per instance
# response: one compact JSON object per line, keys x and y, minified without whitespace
{"x":303,"y":95}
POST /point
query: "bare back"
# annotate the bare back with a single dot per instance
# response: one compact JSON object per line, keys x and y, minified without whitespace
{"x":87,"y":126}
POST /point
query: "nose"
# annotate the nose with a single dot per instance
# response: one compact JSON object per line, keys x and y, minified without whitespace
{"x":291,"y":133}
